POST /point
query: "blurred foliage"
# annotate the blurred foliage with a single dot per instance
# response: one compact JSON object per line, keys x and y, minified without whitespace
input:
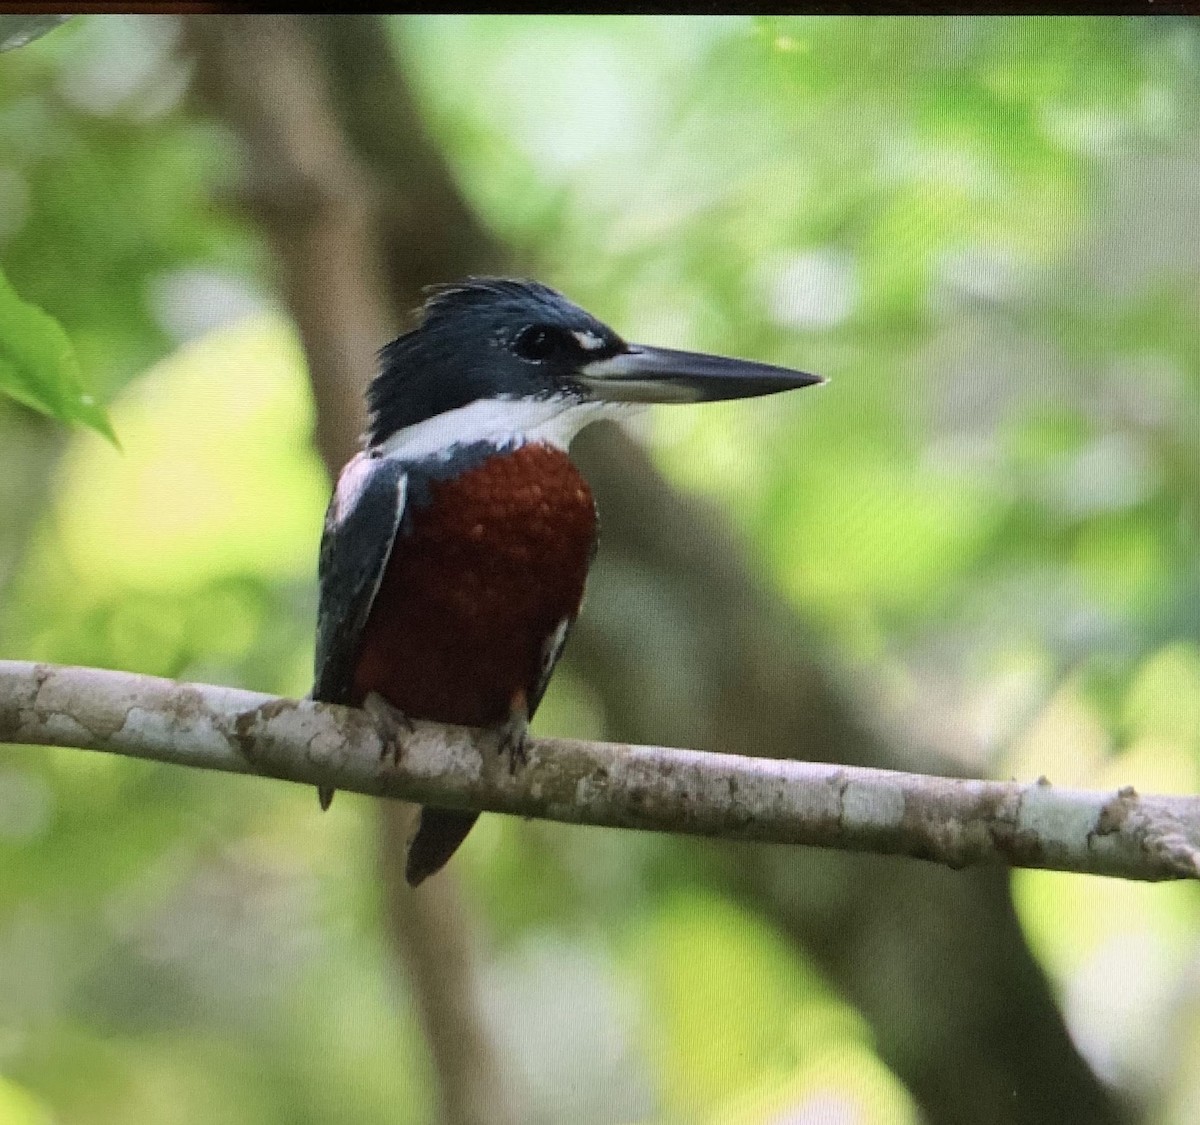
{"x":106,"y":196}
{"x":980,"y":229}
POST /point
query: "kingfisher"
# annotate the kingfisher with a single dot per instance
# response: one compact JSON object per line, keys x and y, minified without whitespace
{"x":457,"y":542}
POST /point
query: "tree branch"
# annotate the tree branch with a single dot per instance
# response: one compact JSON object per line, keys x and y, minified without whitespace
{"x":953,"y":821}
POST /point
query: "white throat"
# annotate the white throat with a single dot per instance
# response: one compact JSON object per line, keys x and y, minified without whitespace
{"x":501,"y":422}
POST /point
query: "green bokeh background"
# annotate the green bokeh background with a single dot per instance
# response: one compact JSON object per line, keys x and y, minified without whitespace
{"x":982,"y":230}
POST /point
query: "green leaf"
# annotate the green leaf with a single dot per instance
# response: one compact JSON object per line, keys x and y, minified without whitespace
{"x":16,"y":31}
{"x":38,"y":366}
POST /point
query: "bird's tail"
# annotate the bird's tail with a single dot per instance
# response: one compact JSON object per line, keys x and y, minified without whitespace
{"x":439,"y":833}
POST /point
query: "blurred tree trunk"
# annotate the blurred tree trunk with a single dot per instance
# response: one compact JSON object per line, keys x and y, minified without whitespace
{"x":934,"y":960}
{"x":261,"y":75}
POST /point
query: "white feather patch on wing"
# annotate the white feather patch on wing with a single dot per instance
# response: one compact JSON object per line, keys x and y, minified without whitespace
{"x":350,"y":484}
{"x":551,"y":651}
{"x":401,"y":496}
{"x":553,"y":647}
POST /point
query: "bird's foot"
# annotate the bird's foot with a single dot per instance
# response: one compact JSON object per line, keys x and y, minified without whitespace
{"x":513,"y":743}
{"x":392,"y":723}
{"x":514,"y":738}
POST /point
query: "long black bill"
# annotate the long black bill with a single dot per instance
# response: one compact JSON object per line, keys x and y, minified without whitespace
{"x":644,"y":374}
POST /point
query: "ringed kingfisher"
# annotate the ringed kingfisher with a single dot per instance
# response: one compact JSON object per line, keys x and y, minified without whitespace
{"x":458,"y":540}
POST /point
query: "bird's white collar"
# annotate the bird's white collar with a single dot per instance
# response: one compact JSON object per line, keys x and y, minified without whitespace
{"x":501,"y":422}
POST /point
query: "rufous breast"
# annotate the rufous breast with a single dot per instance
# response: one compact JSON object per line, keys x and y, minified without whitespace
{"x":488,"y":564}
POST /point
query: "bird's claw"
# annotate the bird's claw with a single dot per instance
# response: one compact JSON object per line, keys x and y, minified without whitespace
{"x":393,"y":724}
{"x":514,"y":740}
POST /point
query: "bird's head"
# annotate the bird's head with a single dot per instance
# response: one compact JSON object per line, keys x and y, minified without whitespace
{"x":500,"y":359}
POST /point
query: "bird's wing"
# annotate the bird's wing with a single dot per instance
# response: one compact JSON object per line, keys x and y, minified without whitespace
{"x":551,"y":650}
{"x":552,"y":647}
{"x":360,"y":528}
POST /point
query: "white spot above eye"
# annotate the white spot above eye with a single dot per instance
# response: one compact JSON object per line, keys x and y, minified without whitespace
{"x":589,"y":341}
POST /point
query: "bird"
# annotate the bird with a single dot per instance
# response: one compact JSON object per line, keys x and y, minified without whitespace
{"x":457,"y":542}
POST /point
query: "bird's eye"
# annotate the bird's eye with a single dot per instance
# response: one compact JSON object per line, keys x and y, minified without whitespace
{"x":538,"y":342}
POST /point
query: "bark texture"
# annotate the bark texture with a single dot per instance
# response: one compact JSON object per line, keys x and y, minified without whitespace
{"x":954,"y":821}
